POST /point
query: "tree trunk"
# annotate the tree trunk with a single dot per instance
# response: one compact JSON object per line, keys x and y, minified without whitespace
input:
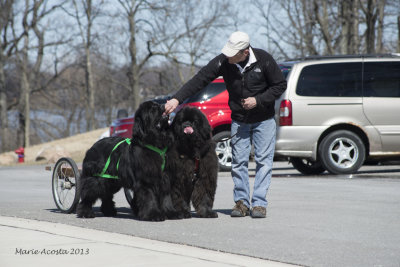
{"x":380,"y":13}
{"x":90,"y":109}
{"x":345,"y":16}
{"x":3,"y":106}
{"x":323,"y":20}
{"x":133,"y":72}
{"x":355,"y":43}
{"x":25,"y":86}
{"x":370,"y":17}
{"x":398,"y":34}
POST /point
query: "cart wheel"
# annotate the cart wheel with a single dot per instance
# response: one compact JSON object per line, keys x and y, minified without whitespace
{"x":65,"y":185}
{"x":129,"y":195}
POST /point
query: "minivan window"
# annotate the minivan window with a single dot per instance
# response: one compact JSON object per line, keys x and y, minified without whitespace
{"x":382,"y":79}
{"x":331,"y":80}
{"x":285,"y":70}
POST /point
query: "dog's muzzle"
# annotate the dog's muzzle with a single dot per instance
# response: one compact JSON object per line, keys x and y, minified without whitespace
{"x":163,"y":122}
{"x":187,"y":128}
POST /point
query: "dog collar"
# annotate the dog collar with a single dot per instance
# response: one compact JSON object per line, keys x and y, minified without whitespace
{"x":161,"y":152}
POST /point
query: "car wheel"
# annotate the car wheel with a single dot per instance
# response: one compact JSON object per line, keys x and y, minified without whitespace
{"x":342,"y":152}
{"x":223,"y":150}
{"x":307,"y":166}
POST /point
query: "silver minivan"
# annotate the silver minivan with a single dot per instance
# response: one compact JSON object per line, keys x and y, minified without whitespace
{"x":339,"y":111}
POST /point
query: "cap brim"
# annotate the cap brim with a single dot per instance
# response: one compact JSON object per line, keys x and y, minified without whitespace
{"x":229,"y":52}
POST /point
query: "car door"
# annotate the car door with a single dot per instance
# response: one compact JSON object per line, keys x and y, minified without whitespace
{"x":381,"y":101}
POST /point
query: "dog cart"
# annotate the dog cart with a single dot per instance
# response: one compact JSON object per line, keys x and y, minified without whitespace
{"x":65,"y":185}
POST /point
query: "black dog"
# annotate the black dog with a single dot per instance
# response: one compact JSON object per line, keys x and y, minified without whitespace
{"x":193,"y":164}
{"x":132,"y":163}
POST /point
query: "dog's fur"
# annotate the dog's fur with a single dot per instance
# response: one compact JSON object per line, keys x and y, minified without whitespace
{"x":191,"y":181}
{"x":139,"y":169}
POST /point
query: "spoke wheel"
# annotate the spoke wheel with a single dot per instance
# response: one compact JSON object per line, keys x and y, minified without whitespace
{"x":65,"y":185}
{"x":128,"y":195}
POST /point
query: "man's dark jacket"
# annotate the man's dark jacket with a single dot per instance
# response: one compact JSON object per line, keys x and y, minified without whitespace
{"x":262,"y":80}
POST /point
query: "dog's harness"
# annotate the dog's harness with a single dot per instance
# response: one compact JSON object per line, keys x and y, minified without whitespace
{"x":161,"y":152}
{"x":103,"y":173}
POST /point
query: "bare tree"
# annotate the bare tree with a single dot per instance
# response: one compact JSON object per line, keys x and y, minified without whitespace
{"x":180,"y":31}
{"x":192,"y":34}
{"x":397,"y":7}
{"x":373,"y":11}
{"x":349,"y":43}
{"x":6,"y":46}
{"x":85,"y":21}
{"x":33,"y":12}
{"x":328,"y":27}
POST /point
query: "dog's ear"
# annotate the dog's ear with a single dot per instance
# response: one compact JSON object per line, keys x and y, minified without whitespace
{"x":138,"y":128}
{"x":205,"y":129}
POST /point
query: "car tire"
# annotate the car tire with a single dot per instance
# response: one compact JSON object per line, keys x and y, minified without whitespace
{"x":342,"y":152}
{"x":223,"y":150}
{"x":307,"y":166}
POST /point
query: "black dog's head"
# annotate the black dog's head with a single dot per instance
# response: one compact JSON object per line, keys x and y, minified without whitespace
{"x":191,"y":128}
{"x":151,"y":126}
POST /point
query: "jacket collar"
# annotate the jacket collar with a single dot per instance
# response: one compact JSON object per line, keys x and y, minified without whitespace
{"x":252,"y":59}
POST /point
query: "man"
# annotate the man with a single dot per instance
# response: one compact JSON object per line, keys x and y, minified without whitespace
{"x":254,"y":81}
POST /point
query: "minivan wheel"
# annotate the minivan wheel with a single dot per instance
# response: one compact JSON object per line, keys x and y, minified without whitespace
{"x":223,"y":150}
{"x":307,"y":166}
{"x":342,"y":152}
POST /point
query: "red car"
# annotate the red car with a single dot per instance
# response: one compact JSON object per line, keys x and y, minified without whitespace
{"x":213,"y":102}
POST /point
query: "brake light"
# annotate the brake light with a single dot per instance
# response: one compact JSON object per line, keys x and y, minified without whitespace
{"x":285,"y":113}
{"x":111,"y":130}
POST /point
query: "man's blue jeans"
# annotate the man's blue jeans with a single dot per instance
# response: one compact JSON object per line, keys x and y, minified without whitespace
{"x":262,"y":135}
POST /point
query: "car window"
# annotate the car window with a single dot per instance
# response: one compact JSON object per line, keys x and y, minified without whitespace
{"x":285,"y":70}
{"x":207,"y":92}
{"x":331,"y":80}
{"x":382,"y":79}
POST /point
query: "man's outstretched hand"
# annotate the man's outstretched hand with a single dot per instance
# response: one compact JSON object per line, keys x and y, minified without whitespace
{"x":170,"y":106}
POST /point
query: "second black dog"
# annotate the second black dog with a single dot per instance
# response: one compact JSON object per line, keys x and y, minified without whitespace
{"x":193,"y":164}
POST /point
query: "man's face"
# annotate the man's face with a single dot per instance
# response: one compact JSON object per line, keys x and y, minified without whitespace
{"x":239,"y":57}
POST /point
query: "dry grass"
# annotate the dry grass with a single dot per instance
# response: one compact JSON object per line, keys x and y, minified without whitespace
{"x":75,"y":146}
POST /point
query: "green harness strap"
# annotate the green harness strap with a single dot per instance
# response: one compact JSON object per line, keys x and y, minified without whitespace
{"x":103,"y":174}
{"x":160,"y":152}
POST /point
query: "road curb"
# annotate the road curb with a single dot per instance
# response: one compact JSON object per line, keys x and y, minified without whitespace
{"x":17,"y":246}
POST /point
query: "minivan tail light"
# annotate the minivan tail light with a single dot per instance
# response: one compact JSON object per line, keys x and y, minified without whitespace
{"x":285,"y":113}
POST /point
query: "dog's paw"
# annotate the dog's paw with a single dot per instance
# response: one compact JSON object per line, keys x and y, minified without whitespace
{"x":85,"y":214}
{"x":208,"y":214}
{"x":187,"y":214}
{"x":109,"y":211}
{"x":175,"y":215}
{"x":154,"y":216}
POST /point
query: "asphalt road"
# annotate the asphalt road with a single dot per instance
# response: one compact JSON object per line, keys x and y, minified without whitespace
{"x":325,"y":220}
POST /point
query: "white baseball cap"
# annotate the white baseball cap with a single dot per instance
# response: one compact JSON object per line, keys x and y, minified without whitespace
{"x":237,"y":41}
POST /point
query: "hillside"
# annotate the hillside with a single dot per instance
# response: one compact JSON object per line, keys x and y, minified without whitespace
{"x":74,"y":147}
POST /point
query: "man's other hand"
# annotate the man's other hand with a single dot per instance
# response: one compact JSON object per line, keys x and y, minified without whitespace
{"x":249,"y":103}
